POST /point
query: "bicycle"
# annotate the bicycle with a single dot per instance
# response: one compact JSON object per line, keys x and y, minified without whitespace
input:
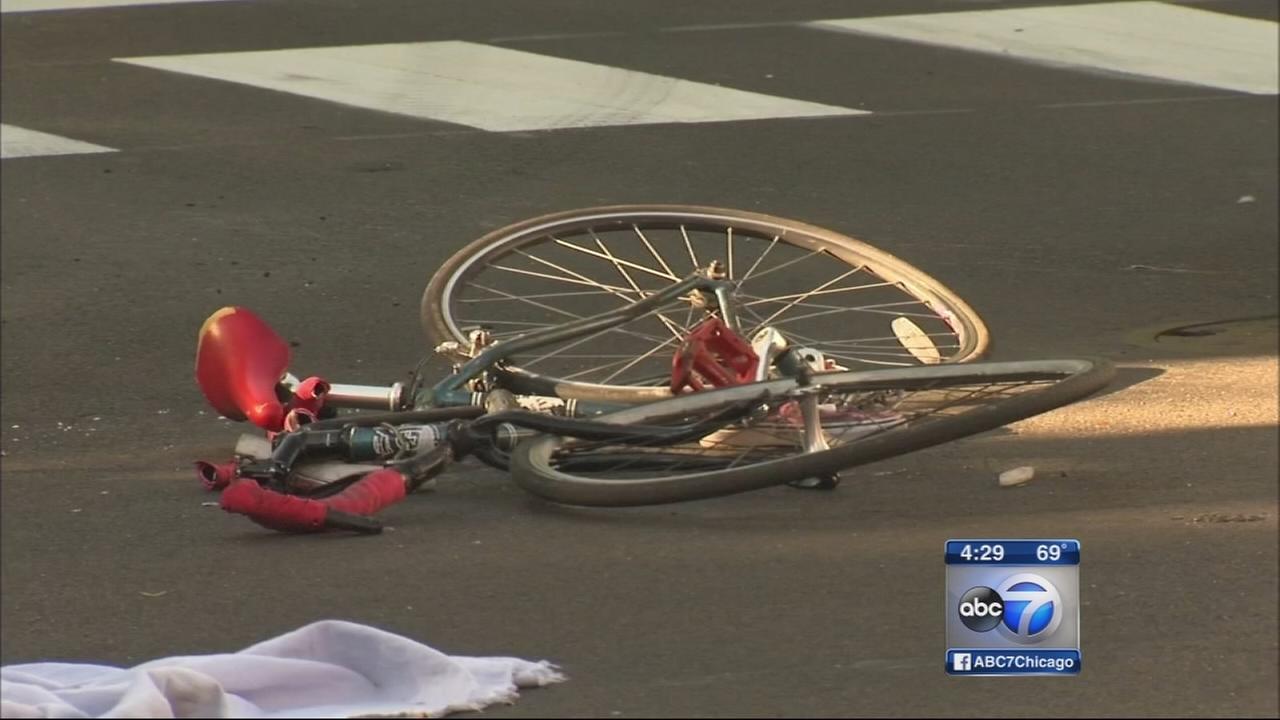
{"x":731,"y":396}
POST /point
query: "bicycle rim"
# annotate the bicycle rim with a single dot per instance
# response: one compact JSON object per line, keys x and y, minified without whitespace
{"x":853,"y":306}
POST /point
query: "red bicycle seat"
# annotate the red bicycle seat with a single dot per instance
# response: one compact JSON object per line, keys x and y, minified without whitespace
{"x":239,"y":362}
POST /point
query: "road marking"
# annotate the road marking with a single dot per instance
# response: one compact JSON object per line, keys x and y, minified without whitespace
{"x":731,"y":26}
{"x":1146,"y":101}
{"x":1151,"y":39}
{"x":16,"y":142}
{"x":486,"y":87}
{"x":554,"y":37}
{"x":21,"y":6}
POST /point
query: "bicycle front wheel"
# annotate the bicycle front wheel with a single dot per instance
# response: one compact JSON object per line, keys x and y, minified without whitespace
{"x":792,"y":432}
{"x":858,"y":306}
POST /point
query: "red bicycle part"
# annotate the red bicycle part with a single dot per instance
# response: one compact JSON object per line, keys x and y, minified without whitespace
{"x":309,"y":395}
{"x":348,"y":510}
{"x":296,"y":418}
{"x":239,"y":362}
{"x":712,"y":354}
{"x":216,"y":476}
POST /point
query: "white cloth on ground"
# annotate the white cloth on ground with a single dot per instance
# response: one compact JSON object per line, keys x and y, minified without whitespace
{"x":330,"y":668}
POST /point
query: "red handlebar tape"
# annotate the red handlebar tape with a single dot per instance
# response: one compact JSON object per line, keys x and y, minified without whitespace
{"x":289,"y":513}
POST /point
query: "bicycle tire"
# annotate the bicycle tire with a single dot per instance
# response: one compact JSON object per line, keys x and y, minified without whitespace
{"x":441,"y":326}
{"x":1072,"y":379}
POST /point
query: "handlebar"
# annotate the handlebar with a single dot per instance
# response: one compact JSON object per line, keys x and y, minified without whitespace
{"x":348,"y":509}
{"x":251,"y":488}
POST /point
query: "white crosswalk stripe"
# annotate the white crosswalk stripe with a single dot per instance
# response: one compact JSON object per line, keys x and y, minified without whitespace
{"x":1150,"y":39}
{"x":16,"y":142}
{"x":26,"y":6}
{"x":487,"y":87}
{"x":23,"y":6}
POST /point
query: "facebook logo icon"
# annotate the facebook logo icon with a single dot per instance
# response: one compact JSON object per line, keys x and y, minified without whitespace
{"x":961,"y":662}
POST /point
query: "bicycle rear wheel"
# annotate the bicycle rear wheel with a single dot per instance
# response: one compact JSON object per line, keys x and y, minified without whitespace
{"x":851,"y":419}
{"x":857,"y":305}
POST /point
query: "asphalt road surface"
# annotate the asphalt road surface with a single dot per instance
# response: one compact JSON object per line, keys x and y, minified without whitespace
{"x":1081,"y":211}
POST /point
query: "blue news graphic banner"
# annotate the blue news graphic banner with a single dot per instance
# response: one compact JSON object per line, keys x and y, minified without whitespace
{"x":1013,"y":552}
{"x":990,"y":661}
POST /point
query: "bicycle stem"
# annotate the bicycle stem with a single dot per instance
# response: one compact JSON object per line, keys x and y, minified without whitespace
{"x":364,"y":397}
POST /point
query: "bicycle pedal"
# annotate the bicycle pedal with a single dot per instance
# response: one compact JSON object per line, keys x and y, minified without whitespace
{"x":828,"y":482}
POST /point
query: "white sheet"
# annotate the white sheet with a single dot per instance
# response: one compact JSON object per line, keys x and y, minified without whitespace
{"x":327,"y":669}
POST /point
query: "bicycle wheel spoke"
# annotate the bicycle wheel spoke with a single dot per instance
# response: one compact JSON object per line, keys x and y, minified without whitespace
{"x":468,"y":322}
{"x":812,"y":293}
{"x":759,"y":320}
{"x":873,"y":353}
{"x":791,"y":262}
{"x":529,"y":301}
{"x":859,"y":348}
{"x":654,"y":252}
{"x":635,"y":288}
{"x":822,"y":306}
{"x":658,"y":343}
{"x":513,"y":333}
{"x":628,"y":263}
{"x":859,"y":342}
{"x":619,"y":292}
{"x":868,"y":309}
{"x":610,"y":288}
{"x":509,"y":298}
{"x":627,"y":359}
{"x":547,"y":307}
{"x":756,"y":264}
{"x":556,"y":352}
{"x":641,"y":358}
{"x":640,"y":294}
{"x":850,"y":345}
{"x":801,"y":298}
{"x":689,"y":246}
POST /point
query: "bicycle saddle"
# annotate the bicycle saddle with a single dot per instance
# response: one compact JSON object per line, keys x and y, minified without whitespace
{"x":239,"y":362}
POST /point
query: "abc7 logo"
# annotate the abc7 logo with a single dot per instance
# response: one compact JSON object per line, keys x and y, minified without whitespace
{"x":1025,"y":608}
